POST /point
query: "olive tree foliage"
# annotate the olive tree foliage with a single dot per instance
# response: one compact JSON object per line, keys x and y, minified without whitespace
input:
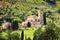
{"x":15,"y":12}
{"x":10,"y":1}
{"x":24,"y":8}
{"x":58,"y":10}
{"x":14,"y":36}
{"x":29,"y":1}
{"x":11,"y":12}
{"x":10,"y":35}
{"x":50,"y":32}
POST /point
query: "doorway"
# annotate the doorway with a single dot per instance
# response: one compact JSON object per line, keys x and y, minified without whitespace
{"x":28,"y":24}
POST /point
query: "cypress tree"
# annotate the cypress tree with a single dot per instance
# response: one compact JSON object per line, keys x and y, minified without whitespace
{"x":22,"y":35}
{"x":44,"y":18}
{"x":14,"y":25}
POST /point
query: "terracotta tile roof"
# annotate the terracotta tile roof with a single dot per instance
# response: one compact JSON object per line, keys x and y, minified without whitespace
{"x":2,"y":4}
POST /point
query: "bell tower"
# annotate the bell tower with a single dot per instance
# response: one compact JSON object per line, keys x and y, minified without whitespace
{"x":40,"y":17}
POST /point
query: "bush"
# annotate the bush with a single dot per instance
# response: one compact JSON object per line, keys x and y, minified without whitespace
{"x":28,"y":38}
{"x":50,"y":32}
{"x":14,"y":36}
{"x":58,"y":10}
{"x":3,"y":36}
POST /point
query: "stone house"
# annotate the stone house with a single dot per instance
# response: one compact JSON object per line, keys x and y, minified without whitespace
{"x":33,"y":20}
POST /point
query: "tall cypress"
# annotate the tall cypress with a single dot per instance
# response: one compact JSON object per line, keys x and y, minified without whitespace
{"x":22,"y":35}
{"x":44,"y":18}
{"x":14,"y":25}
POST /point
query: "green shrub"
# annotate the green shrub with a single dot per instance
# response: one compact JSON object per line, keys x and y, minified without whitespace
{"x":28,"y":38}
{"x":58,"y":10}
{"x":14,"y":36}
{"x":3,"y":36}
{"x":50,"y":32}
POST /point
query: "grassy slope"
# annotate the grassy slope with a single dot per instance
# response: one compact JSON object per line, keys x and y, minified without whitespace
{"x":27,"y":32}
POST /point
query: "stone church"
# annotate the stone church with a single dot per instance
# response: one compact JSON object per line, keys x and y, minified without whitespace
{"x":33,"y":20}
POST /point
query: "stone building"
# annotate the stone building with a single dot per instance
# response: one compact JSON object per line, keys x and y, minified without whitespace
{"x":33,"y":20}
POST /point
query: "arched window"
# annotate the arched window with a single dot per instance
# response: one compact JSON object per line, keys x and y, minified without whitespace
{"x":28,"y":24}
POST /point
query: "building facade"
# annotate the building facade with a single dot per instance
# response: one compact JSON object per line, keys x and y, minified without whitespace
{"x":33,"y":20}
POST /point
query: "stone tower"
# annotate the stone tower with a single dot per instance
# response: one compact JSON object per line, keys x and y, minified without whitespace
{"x":40,"y":17}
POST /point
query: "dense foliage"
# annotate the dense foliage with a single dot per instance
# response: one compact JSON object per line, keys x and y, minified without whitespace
{"x":18,"y":10}
{"x":25,"y":8}
{"x":50,"y":32}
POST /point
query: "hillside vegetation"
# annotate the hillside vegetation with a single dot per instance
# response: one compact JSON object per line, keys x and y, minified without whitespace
{"x":17,"y":10}
{"x":21,"y":8}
